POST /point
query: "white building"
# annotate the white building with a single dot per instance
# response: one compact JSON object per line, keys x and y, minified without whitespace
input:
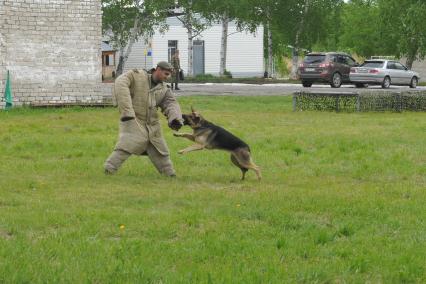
{"x":244,"y":52}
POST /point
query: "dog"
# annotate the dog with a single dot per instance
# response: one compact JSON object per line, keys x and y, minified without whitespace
{"x":207,"y":135}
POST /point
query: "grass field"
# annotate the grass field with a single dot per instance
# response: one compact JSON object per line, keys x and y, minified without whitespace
{"x":342,"y":199}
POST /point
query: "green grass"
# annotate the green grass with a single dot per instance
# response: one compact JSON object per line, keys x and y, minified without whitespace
{"x":342,"y":199}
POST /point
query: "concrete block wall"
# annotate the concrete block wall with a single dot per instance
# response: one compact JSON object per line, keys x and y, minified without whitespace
{"x":52,"y":49}
{"x":420,"y":67}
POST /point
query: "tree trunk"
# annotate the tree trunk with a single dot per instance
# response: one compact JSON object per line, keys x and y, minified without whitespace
{"x":295,"y":57}
{"x":120,"y":65}
{"x":270,"y":56}
{"x":190,"y":49}
{"x":224,"y":44}
{"x":294,"y":63}
{"x":411,"y":56}
{"x":124,"y":55}
{"x":409,"y":62}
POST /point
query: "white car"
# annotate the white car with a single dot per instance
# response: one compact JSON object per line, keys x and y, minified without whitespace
{"x":384,"y":73}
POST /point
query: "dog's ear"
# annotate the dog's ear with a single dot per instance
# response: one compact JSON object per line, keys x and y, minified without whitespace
{"x":194,"y":112}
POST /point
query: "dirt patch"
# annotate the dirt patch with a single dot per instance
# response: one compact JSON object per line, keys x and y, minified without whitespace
{"x":4,"y":234}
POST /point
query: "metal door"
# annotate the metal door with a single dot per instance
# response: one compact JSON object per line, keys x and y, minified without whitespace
{"x":198,"y":59}
{"x":404,"y":74}
{"x":393,"y":72}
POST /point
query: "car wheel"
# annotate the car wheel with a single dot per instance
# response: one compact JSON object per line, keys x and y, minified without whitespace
{"x":360,"y":85}
{"x":336,"y":80}
{"x":306,"y":84}
{"x":386,"y":82}
{"x":414,"y":82}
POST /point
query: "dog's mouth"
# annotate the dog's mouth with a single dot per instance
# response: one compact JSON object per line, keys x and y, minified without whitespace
{"x":185,"y":119}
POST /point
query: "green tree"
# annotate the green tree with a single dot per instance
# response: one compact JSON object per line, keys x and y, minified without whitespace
{"x":127,"y":20}
{"x":224,"y":12}
{"x":403,"y":23}
{"x":361,"y":31}
{"x":193,"y":23}
{"x":302,"y":24}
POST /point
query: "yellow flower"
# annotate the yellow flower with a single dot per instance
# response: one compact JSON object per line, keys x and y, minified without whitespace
{"x":238,"y":205}
{"x":122,"y":227}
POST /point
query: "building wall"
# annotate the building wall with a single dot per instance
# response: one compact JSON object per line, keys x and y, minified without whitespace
{"x":52,"y":49}
{"x":139,"y":58}
{"x":245,"y":50}
{"x":2,"y":49}
{"x":420,"y":67}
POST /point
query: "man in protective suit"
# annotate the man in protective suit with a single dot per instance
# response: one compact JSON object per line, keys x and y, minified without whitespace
{"x":139,"y":94}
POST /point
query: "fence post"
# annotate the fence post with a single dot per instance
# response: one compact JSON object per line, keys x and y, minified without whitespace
{"x":337,"y":103}
{"x":294,"y":101}
{"x":358,"y":103}
{"x":398,"y":101}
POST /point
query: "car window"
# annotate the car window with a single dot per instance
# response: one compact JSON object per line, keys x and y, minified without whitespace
{"x":391,"y":65}
{"x":340,"y":59}
{"x":399,"y":66}
{"x":350,"y":61}
{"x":373,"y":64}
{"x":314,"y":58}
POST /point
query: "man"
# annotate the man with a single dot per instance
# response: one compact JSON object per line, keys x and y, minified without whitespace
{"x":139,"y":95}
{"x":176,"y":69}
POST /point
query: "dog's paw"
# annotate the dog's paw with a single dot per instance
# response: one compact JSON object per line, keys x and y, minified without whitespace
{"x":181,"y":152}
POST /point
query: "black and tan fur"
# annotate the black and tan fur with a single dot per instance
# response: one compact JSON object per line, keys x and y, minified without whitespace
{"x":207,"y":135}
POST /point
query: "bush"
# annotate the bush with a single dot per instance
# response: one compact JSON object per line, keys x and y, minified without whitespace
{"x":227,"y":74}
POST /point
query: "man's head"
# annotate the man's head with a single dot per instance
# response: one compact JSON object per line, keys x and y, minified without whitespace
{"x":163,"y":71}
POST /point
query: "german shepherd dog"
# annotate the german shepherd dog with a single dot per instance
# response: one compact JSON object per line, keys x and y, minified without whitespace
{"x":206,"y":135}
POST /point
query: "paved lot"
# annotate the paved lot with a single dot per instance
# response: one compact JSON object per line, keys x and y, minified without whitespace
{"x":267,"y":89}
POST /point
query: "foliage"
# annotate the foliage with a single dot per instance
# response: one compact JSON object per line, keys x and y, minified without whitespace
{"x":119,"y":18}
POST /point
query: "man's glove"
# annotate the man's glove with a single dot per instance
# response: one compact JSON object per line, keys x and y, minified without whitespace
{"x":126,"y":118}
{"x":175,"y":124}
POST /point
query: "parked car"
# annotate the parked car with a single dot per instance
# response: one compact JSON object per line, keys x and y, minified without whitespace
{"x":384,"y":73}
{"x":328,"y":67}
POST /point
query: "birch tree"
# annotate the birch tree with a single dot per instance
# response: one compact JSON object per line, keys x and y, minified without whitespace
{"x":404,"y":28}
{"x":193,"y":23}
{"x":125,"y":21}
{"x":225,"y":12}
{"x":296,"y":46}
{"x":266,"y":12}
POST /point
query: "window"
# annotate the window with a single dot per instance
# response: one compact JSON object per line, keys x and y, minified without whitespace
{"x":173,"y":46}
{"x":350,"y":61}
{"x":391,"y":65}
{"x":341,"y":59}
{"x":373,"y":64}
{"x":314,"y":58}
{"x":108,"y":60}
{"x":399,"y":66}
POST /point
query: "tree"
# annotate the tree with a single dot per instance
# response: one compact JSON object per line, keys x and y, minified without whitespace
{"x":127,"y":20}
{"x":264,"y":12}
{"x":367,"y":38}
{"x":193,"y":23}
{"x":404,"y":26}
{"x":226,"y":11}
{"x":312,"y":23}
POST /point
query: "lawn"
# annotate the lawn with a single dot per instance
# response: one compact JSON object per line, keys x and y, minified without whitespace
{"x":342,"y":199}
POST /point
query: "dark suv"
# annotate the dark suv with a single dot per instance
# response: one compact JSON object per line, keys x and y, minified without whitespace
{"x":329,"y":67}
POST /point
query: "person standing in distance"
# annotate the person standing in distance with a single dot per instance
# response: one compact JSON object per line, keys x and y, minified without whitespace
{"x":176,"y":70}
